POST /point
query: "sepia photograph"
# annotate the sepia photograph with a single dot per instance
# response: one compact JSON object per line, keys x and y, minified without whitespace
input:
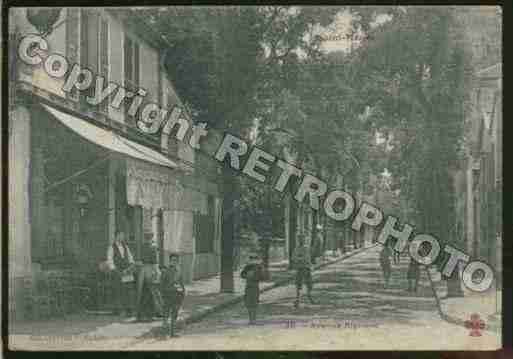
{"x":254,"y":178}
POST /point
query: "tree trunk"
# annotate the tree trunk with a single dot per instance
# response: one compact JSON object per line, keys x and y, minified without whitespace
{"x":324,"y":234}
{"x":267,"y":237}
{"x":314,"y":245}
{"x":230,"y":193}
{"x":292,"y":228}
{"x":266,"y":245}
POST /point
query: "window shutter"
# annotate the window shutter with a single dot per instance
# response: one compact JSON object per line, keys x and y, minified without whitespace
{"x":89,"y":47}
{"x":84,"y":40}
{"x":104,"y":59}
{"x":128,"y":55}
{"x":92,"y":28}
{"x":136,"y":64}
{"x":72,"y":43}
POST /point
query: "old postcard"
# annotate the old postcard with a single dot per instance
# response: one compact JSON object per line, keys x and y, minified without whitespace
{"x":255,"y":178}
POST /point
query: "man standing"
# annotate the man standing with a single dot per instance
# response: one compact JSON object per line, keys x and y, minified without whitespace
{"x":149,"y":300}
{"x":302,"y":263}
{"x":252,"y":273}
{"x":120,"y":261}
{"x":173,"y":293}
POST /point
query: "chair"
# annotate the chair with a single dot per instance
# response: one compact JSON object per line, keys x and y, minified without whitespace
{"x":37,"y":299}
{"x":80,"y":292}
{"x":103,"y":290}
{"x":58,"y":294}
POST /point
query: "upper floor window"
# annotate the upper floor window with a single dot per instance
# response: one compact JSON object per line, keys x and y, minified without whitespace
{"x":72,"y":42}
{"x":87,"y":40}
{"x":132,"y":68}
{"x":103,"y":58}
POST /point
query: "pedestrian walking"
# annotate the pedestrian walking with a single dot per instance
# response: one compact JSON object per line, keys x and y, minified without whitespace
{"x":413,"y":275}
{"x":173,"y":294}
{"x":253,"y":274}
{"x":121,"y":263}
{"x":396,"y":255}
{"x":303,"y":265}
{"x":384,"y":260}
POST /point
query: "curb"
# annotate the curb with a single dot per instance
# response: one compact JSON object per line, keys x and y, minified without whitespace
{"x":449,"y":318}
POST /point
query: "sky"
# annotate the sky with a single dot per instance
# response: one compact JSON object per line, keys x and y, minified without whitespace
{"x":335,"y":34}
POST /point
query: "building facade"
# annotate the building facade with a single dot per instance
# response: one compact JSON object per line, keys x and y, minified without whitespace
{"x":79,"y":172}
{"x":478,"y":184}
{"x":482,"y":183}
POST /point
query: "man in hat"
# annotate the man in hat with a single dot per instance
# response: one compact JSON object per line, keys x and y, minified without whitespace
{"x":149,"y":300}
{"x":252,"y":273}
{"x":173,"y":293}
{"x":302,"y":263}
{"x":120,"y":261}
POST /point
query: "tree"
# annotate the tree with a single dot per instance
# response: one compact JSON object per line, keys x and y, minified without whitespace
{"x":226,"y":63}
{"x":415,"y":70}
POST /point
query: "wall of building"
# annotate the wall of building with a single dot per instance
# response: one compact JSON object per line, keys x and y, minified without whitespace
{"x":20,"y":261}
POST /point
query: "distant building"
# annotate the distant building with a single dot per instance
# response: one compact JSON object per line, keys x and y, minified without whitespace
{"x":478,"y":184}
{"x":483,"y":182}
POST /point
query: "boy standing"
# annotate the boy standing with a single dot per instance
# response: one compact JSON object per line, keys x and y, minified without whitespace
{"x":173,"y":293}
{"x":303,"y":265}
{"x":252,"y":273}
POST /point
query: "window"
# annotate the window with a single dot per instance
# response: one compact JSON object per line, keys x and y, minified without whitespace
{"x":94,"y":45}
{"x":72,"y":43}
{"x":104,"y":59}
{"x":131,"y":65}
{"x":204,"y":228}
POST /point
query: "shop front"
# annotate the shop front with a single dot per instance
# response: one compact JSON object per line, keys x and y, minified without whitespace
{"x":85,"y":182}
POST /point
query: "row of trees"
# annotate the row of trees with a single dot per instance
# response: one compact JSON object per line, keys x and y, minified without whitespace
{"x":262,"y":71}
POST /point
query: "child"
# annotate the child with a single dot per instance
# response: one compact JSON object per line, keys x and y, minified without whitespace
{"x":302,"y":264}
{"x":384,"y":260}
{"x":252,"y":273}
{"x":173,"y":293}
{"x":413,"y":275}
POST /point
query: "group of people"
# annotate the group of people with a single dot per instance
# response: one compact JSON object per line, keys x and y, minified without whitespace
{"x":412,"y":275}
{"x":160,"y":290}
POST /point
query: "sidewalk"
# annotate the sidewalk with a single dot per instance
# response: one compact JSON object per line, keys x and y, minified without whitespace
{"x":459,"y":310}
{"x":93,"y":332}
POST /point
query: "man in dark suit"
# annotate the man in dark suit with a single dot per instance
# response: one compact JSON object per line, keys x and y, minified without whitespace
{"x":149,"y":300}
{"x":120,"y":261}
{"x":302,"y":263}
{"x":173,"y":293}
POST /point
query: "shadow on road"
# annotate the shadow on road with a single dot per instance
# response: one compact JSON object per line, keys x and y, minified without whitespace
{"x":347,"y":291}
